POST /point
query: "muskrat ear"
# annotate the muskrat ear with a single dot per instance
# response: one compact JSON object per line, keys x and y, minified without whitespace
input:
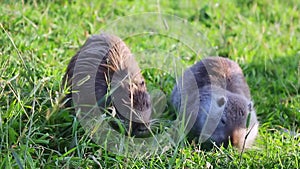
{"x":221,"y":101}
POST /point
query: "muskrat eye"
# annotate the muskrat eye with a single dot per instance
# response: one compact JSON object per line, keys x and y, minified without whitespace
{"x":250,"y":106}
{"x":223,"y":121}
{"x":142,"y":83}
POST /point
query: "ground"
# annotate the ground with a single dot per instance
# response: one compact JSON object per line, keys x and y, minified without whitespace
{"x":38,"y":39}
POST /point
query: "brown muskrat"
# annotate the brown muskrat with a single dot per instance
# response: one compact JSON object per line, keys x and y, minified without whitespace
{"x":119,"y":87}
{"x":225,"y":110}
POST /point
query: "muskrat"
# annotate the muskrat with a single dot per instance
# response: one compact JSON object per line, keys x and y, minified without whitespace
{"x":225,"y":113}
{"x":119,"y":86}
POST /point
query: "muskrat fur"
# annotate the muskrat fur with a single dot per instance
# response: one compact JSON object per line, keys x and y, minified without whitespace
{"x":113,"y":62}
{"x":221,"y":86}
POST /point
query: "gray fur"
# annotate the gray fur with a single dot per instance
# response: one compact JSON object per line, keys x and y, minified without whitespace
{"x":224,"y":102}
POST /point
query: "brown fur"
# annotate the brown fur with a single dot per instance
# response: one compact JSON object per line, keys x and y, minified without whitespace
{"x":118,"y":66}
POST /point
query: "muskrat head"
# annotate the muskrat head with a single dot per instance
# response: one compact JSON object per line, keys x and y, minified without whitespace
{"x":132,"y":102}
{"x":238,"y":120}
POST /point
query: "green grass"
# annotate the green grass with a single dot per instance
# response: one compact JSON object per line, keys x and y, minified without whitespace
{"x":39,"y":38}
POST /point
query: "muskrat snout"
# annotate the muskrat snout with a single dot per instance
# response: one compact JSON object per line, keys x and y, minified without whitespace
{"x":142,"y":130}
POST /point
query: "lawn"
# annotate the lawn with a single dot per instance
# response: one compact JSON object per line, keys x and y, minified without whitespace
{"x":39,"y":38}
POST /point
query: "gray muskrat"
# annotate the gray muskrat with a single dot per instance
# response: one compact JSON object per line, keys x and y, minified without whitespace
{"x":119,"y":86}
{"x":225,"y":110}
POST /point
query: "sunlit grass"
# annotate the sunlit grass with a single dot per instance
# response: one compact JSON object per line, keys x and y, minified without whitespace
{"x":39,"y":38}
